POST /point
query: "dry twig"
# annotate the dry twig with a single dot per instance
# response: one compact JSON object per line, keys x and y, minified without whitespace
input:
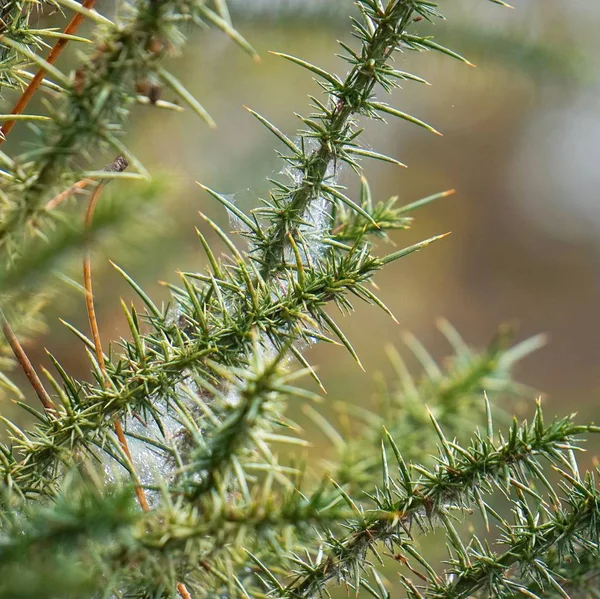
{"x":27,"y":367}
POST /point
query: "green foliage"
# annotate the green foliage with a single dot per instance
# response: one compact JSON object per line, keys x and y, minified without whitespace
{"x":202,"y":386}
{"x":94,"y":104}
{"x":453,"y":394}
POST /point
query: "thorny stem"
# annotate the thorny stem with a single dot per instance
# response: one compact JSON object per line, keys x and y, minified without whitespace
{"x":56,"y":51}
{"x":27,"y":367}
{"x":119,"y":61}
{"x":360,"y":81}
{"x":422,"y":498}
{"x":277,"y":312}
{"x":472,"y":580}
{"x":108,"y":402}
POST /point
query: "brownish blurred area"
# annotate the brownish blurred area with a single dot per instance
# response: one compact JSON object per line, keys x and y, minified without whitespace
{"x":521,"y":145}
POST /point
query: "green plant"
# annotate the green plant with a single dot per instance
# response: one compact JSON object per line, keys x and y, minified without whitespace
{"x":188,"y":414}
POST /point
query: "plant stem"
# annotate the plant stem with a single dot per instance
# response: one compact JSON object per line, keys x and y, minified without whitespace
{"x":118,"y":165}
{"x":91,"y":311}
{"x":63,"y":195}
{"x":358,"y":87}
{"x":27,"y":367}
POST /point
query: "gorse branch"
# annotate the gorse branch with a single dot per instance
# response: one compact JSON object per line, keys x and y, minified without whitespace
{"x":47,"y":265}
{"x":33,"y":85}
{"x":453,"y":391}
{"x":176,"y":536}
{"x":14,"y":18}
{"x":330,"y":137}
{"x":283,"y":315}
{"x":460,"y":479}
{"x":331,"y":128}
{"x":255,"y":407}
{"x":88,"y":109}
{"x":538,"y":541}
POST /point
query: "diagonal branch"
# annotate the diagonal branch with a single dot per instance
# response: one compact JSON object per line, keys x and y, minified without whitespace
{"x":351,"y":97}
{"x":459,"y":479}
{"x":56,"y":51}
{"x":27,"y":367}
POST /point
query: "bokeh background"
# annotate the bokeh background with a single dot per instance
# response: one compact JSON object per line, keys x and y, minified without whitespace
{"x":521,"y":146}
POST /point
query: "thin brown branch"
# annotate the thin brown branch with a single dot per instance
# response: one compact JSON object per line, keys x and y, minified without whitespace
{"x":139,"y":490}
{"x":183,"y":592}
{"x":87,"y":281}
{"x":56,"y":51}
{"x":63,"y":195}
{"x":119,"y":164}
{"x":27,"y":367}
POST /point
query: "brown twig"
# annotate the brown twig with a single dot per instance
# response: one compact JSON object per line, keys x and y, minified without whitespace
{"x":139,"y":490}
{"x":27,"y":367}
{"x":181,"y":589}
{"x":87,"y":280}
{"x":56,"y":51}
{"x":119,"y":164}
{"x":63,"y":195}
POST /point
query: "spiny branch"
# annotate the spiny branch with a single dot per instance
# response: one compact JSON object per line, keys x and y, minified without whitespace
{"x":349,"y":98}
{"x":461,"y":477}
{"x":567,"y":530}
{"x":92,"y":109}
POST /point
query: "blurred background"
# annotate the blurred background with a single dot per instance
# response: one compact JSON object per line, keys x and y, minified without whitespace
{"x":521,"y":146}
